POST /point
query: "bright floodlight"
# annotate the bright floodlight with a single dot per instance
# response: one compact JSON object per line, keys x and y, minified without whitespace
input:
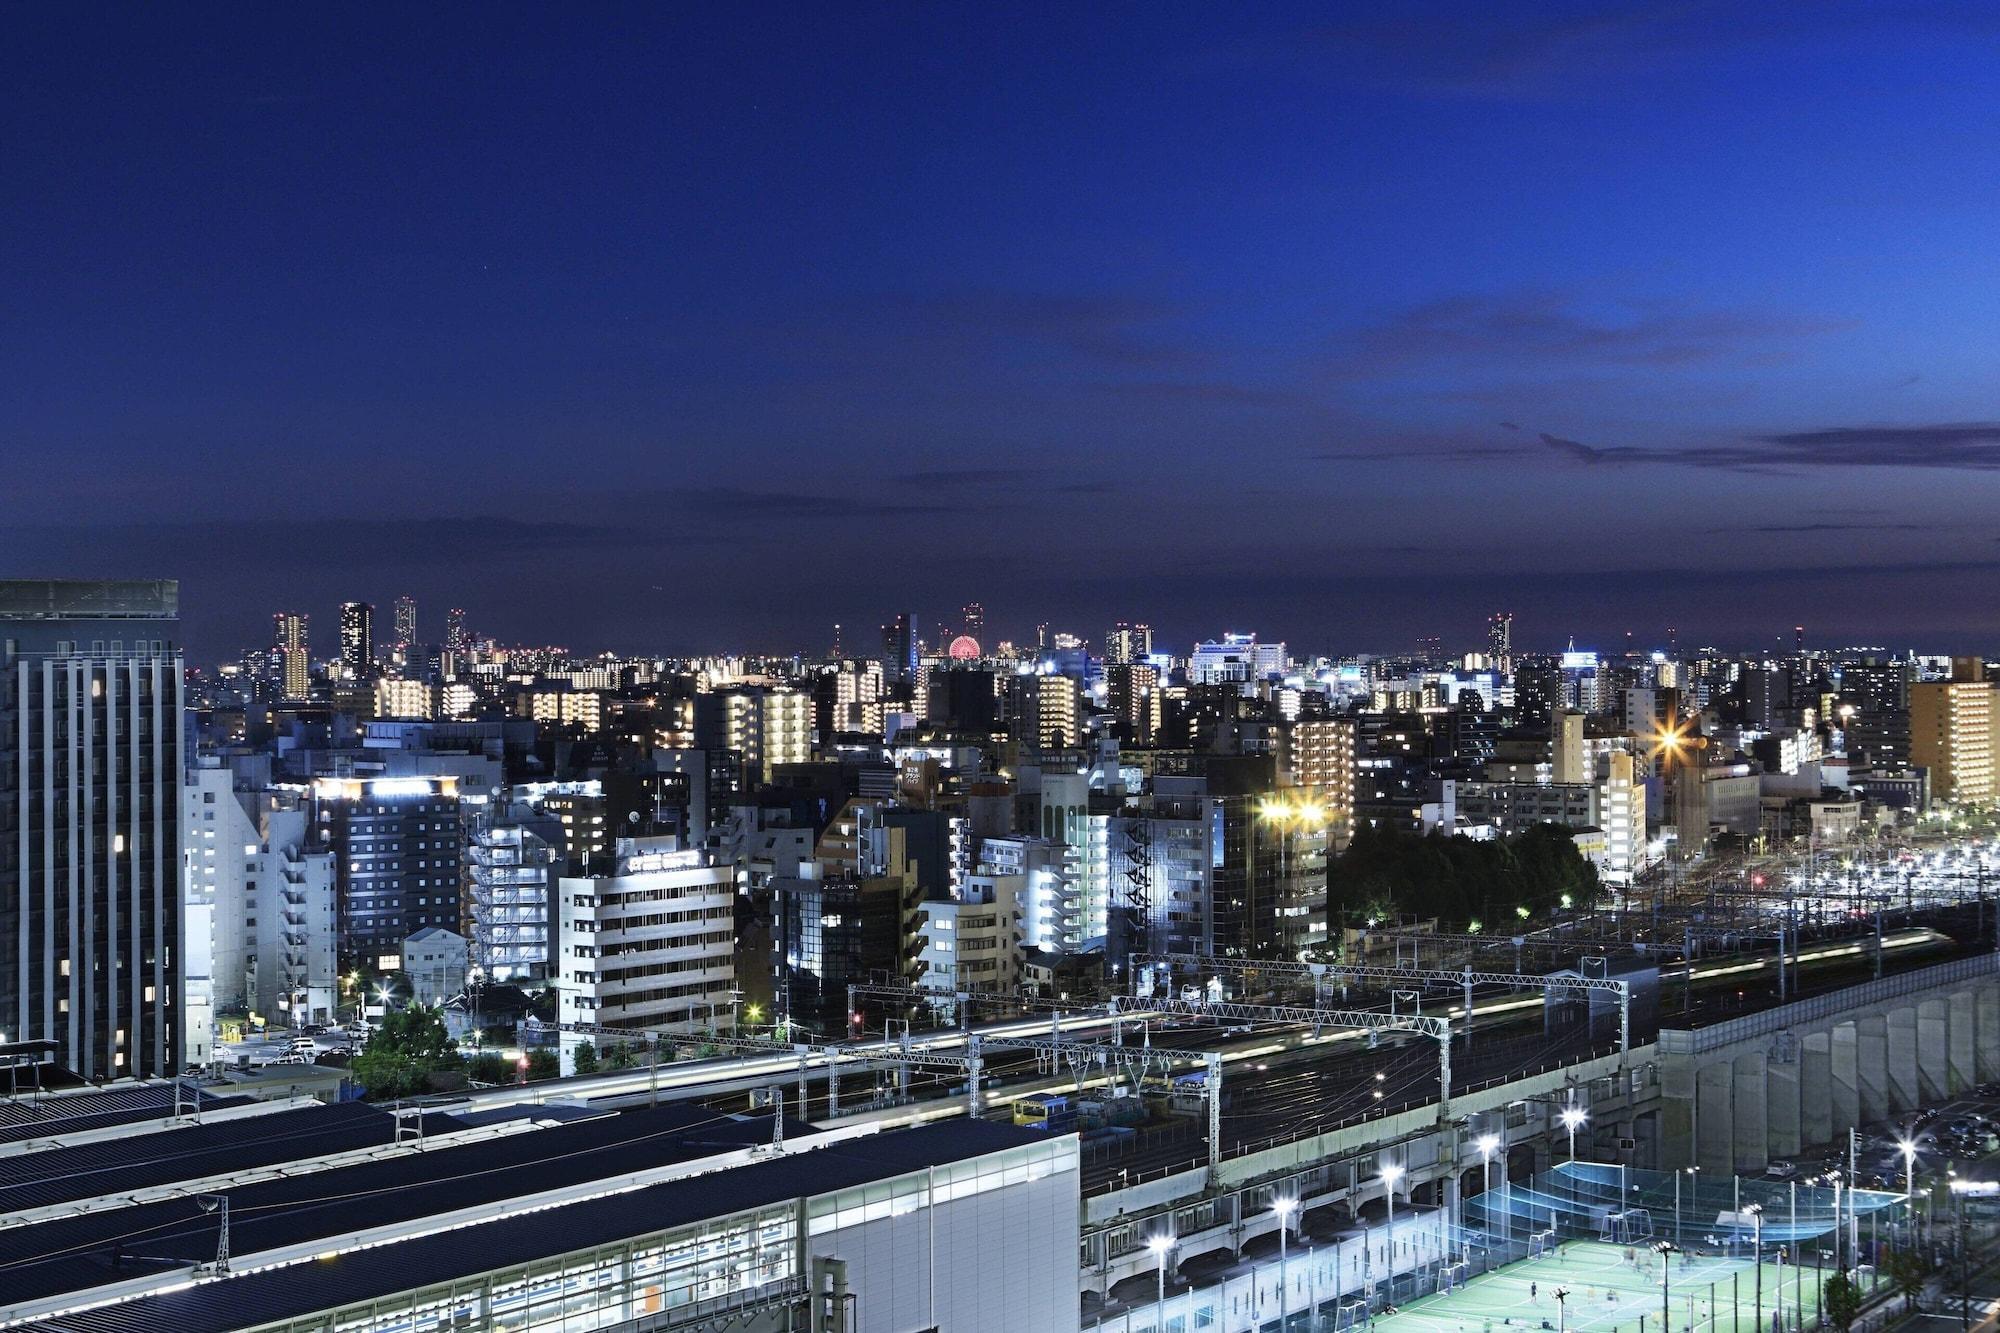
{"x":1909,"y":1149}
{"x":1284,"y":1207}
{"x":1488,"y":1142}
{"x":1159,"y":1244}
{"x":1391,"y":1173}
{"x":1572,"y":1116}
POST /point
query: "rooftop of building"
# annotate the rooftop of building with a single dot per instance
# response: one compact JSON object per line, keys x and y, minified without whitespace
{"x":346,"y":1276}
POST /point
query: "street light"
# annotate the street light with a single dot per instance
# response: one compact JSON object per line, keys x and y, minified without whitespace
{"x":1391,"y":1173}
{"x":1665,"y":1249}
{"x":1562,"y":1309}
{"x":1284,"y":1208}
{"x":1486,"y":1143}
{"x":1909,"y":1150}
{"x":1572,"y":1116}
{"x":1756,"y":1211}
{"x":1162,"y":1245}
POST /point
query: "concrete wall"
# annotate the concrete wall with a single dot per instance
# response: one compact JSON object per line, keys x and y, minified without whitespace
{"x":1742,"y":1094}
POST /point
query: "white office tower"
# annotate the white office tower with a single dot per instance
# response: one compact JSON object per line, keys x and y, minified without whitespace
{"x":973,"y":942}
{"x":653,"y":944}
{"x":258,"y":909}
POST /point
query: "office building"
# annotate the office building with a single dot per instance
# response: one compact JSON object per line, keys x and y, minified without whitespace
{"x":1236,"y":659}
{"x":1044,"y":711}
{"x":1953,"y":726}
{"x":1500,"y":641}
{"x":399,"y":697}
{"x":762,"y":728}
{"x":1128,"y":643}
{"x":396,"y":848}
{"x":357,"y":640}
{"x":1132,"y":692}
{"x":406,"y":624}
{"x":650,"y":943}
{"x":259,"y":933}
{"x":90,"y":779}
{"x":899,"y":649}
{"x":974,"y":941}
{"x":291,"y":654}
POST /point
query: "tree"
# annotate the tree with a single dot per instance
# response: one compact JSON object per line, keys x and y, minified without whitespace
{"x":543,"y":1064}
{"x":1905,"y":1270}
{"x":403,"y":1051}
{"x":586,"y":1058}
{"x":1842,"y":1300}
{"x":487,"y":1067}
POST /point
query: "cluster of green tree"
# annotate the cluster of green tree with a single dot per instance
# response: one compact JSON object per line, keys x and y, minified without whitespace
{"x":1387,"y":873}
{"x":407,"y":1047}
{"x":492,"y":1067}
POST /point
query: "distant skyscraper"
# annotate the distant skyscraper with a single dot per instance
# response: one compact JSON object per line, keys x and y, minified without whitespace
{"x":292,"y":653}
{"x":899,"y":648}
{"x":357,"y":639}
{"x":1500,"y":641}
{"x":455,"y":637}
{"x":406,"y":622}
{"x":90,"y":775}
{"x":975,"y":620}
{"x":1128,"y":642}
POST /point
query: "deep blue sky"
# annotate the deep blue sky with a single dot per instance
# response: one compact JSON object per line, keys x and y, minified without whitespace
{"x":696,"y":327}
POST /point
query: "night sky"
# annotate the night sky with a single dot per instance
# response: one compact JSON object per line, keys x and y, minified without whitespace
{"x":699,"y":327}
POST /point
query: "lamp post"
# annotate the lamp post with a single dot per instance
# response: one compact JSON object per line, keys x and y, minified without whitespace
{"x":1487,"y":1143}
{"x":1562,"y":1309}
{"x":1284,"y":1208}
{"x":1391,"y":1173}
{"x":1162,"y":1245}
{"x":1572,"y":1116}
{"x":1664,"y":1249}
{"x":1909,"y":1150}
{"x":1756,"y":1211}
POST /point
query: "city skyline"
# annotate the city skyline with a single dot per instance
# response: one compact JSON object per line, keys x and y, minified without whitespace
{"x":677,"y":332}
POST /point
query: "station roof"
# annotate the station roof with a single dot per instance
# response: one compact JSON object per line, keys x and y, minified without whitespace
{"x":364,"y":1274}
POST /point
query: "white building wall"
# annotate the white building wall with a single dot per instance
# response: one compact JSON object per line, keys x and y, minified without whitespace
{"x":1000,"y":1261}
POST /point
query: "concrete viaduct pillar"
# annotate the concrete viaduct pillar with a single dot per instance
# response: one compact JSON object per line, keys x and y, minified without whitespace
{"x":1749,"y":1099}
{"x":1964,"y":1008}
{"x":1902,"y":1058}
{"x":1872,"y":1065}
{"x":1781,"y":1083}
{"x":1933,"y":1051}
{"x":1986,"y":1041}
{"x":1846,"y":1068}
{"x":1715,"y":1116}
{"x":1816,"y":1088}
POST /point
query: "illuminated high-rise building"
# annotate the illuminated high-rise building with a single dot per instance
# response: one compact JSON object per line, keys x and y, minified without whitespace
{"x":1128,"y":643}
{"x":456,"y":639}
{"x":292,"y":653}
{"x":357,"y":639}
{"x":406,"y":622}
{"x":1500,"y":641}
{"x":90,"y":778}
{"x":1953,"y":725}
{"x":974,"y":617}
{"x":899,"y":648}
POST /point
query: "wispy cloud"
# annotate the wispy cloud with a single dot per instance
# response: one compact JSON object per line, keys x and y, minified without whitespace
{"x":1955,"y":446}
{"x":1553,"y":328}
{"x":1824,"y":527}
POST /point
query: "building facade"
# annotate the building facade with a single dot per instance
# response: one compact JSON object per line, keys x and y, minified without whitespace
{"x":90,"y":822}
{"x":652,"y":943}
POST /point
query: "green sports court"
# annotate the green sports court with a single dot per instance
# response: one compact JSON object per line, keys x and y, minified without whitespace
{"x":1615,"y":1287}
